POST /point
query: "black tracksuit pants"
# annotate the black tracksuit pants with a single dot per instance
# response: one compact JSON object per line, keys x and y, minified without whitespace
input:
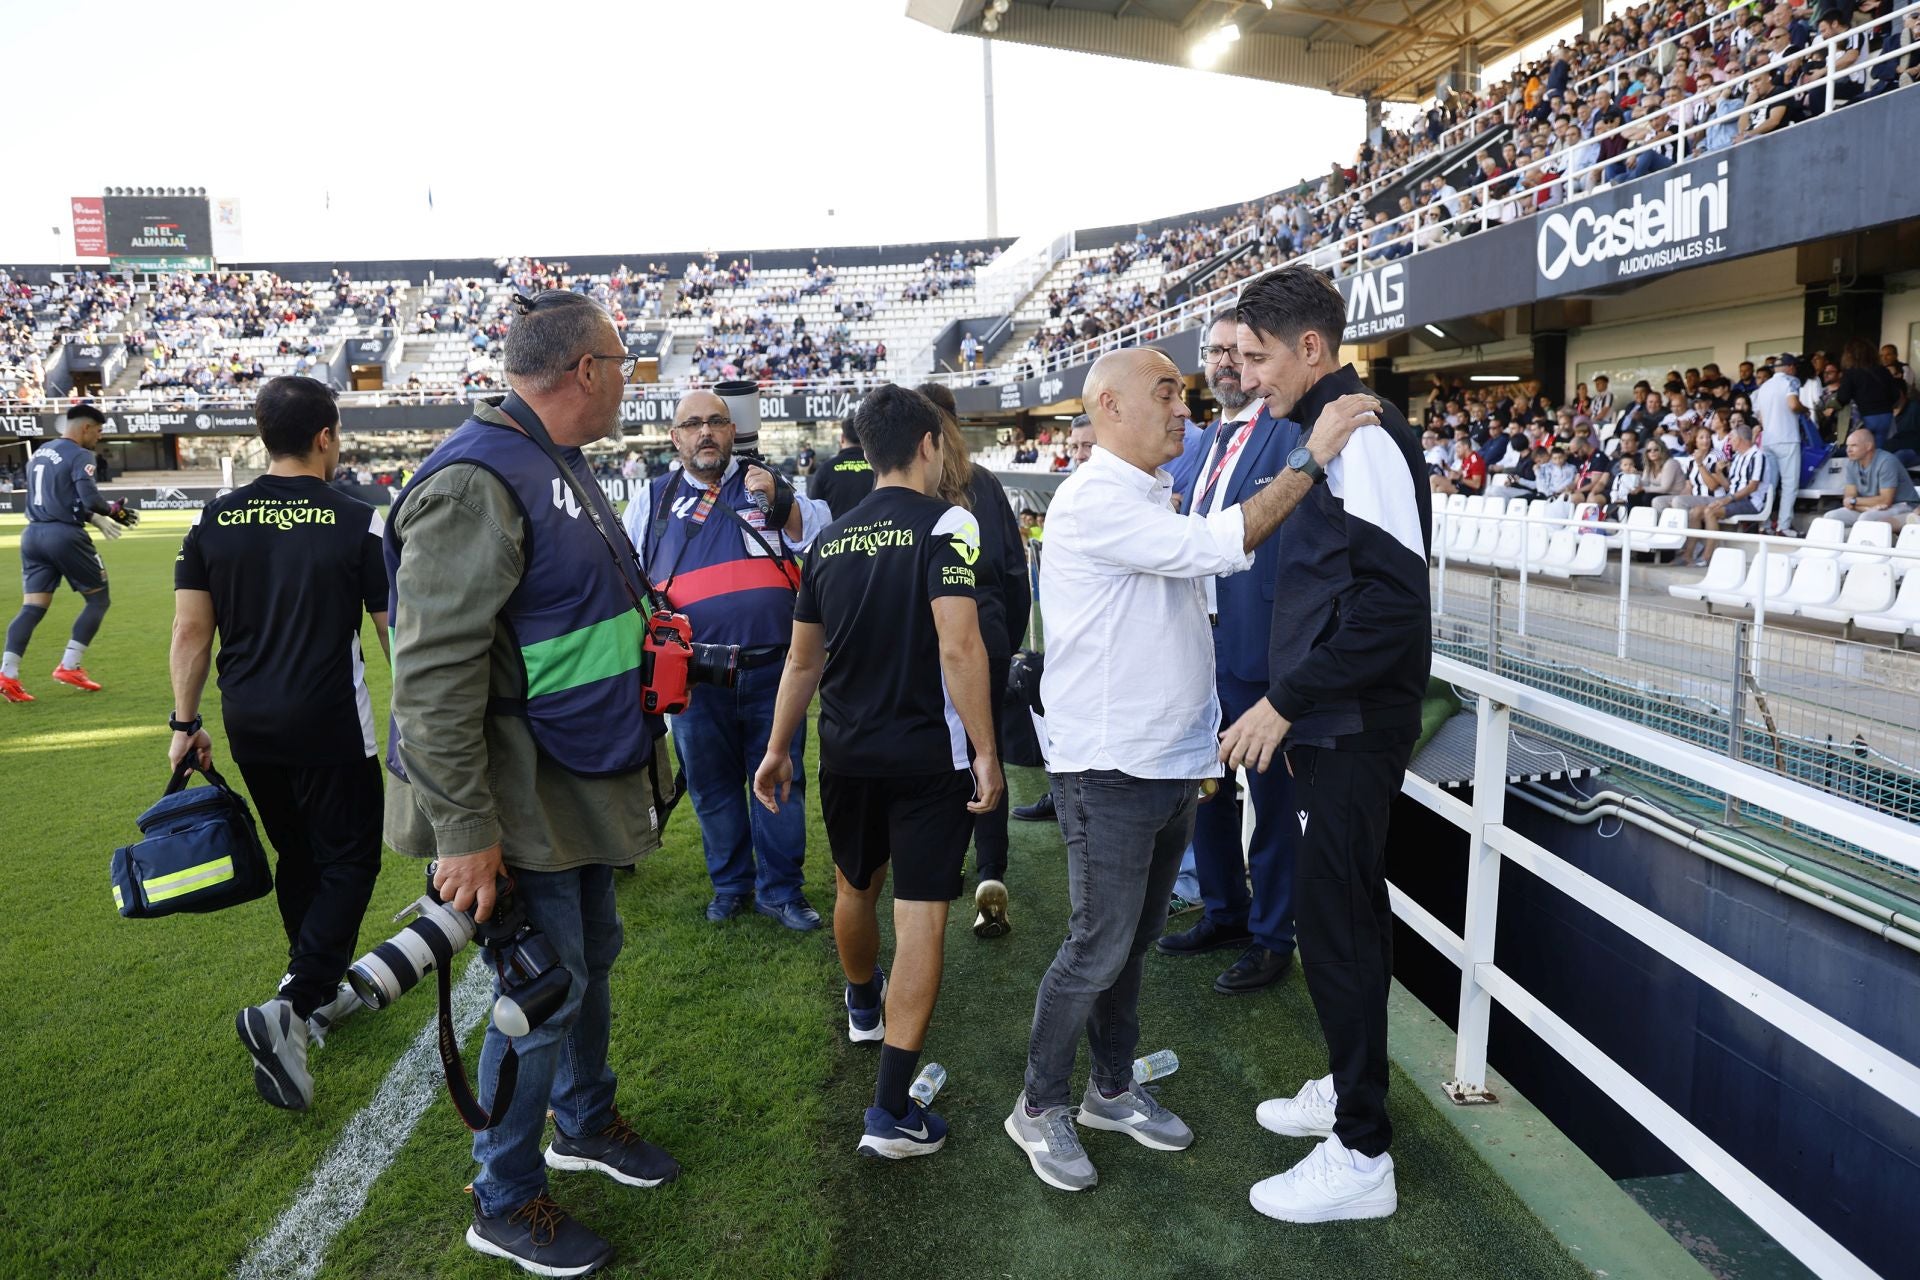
{"x":1345,"y":924}
{"x":324,"y":823}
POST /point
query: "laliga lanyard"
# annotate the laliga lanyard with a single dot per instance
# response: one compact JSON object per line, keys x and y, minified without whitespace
{"x":1240,"y":438}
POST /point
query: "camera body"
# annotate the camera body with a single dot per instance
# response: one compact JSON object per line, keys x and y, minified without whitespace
{"x":533,"y":983}
{"x":671,"y":664}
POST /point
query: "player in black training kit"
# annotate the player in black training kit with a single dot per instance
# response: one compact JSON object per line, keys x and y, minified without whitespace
{"x":62,"y":501}
{"x":885,"y":627}
{"x":283,"y":568}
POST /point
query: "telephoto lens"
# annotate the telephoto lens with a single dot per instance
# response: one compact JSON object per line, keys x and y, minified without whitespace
{"x":428,"y":942}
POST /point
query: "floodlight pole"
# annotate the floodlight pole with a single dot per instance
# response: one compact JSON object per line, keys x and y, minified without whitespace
{"x":993,"y":184}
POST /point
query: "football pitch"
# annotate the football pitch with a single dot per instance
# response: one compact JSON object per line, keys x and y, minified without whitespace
{"x":134,"y":1144}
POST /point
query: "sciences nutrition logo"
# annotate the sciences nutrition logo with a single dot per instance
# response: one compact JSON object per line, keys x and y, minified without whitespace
{"x":1681,"y":223}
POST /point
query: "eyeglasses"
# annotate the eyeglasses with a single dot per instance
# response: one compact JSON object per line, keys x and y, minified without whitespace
{"x":717,"y":422}
{"x":627,"y":364}
{"x":1211,"y":353}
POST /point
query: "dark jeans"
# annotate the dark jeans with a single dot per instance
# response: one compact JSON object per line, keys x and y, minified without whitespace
{"x":563,"y":1063}
{"x":721,"y":738}
{"x":990,"y":828}
{"x":1346,"y":924}
{"x":324,"y":823}
{"x":1125,"y":837}
{"x":1220,"y":862}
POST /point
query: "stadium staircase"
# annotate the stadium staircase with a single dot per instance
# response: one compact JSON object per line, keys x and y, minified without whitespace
{"x":1455,"y":162}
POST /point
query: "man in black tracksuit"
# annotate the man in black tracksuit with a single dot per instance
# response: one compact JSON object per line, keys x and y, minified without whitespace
{"x":1349,"y":658}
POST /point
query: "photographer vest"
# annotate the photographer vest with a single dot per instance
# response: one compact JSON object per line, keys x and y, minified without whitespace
{"x":734,"y":580}
{"x":578,"y":633}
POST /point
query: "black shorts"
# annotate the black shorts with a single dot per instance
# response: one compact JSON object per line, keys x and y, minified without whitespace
{"x":917,"y":821}
{"x":51,"y":551}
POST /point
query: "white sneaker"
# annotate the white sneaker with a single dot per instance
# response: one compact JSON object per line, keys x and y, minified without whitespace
{"x":1326,"y":1187}
{"x":1307,"y":1114}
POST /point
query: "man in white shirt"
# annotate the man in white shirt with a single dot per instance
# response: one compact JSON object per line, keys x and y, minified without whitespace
{"x":1132,"y":715}
{"x":1776,"y":402}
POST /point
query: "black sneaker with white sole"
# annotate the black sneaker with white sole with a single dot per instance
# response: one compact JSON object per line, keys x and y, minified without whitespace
{"x":278,"y":1042}
{"x":331,"y":1014}
{"x":616,"y":1151}
{"x":540,"y":1237}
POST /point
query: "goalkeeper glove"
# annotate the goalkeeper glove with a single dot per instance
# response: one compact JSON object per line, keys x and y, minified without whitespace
{"x":107,"y":527}
{"x":120,"y":513}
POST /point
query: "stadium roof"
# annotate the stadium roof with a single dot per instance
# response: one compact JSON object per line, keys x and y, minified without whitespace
{"x":1391,"y":50}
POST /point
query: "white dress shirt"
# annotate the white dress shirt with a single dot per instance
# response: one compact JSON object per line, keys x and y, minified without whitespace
{"x":1129,"y":680}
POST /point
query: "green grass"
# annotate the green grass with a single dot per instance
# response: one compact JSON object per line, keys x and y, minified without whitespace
{"x":134,"y":1144}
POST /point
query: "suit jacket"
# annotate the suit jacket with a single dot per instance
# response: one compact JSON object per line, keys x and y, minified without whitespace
{"x":1245,"y":600}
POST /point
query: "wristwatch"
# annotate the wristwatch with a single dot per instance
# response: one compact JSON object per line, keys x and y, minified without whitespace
{"x":1303,"y":461}
{"x":183,"y":726}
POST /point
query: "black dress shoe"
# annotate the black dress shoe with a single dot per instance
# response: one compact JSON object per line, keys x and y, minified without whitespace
{"x":725,"y":906}
{"x":1205,"y":936}
{"x":1040,"y":810}
{"x":1255,"y":970}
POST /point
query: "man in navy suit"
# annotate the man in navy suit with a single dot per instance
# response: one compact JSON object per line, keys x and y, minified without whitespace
{"x":1243,"y":451}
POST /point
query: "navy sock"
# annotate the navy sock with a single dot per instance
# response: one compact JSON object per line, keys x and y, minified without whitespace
{"x":92,"y":609}
{"x":897,"y":1067}
{"x":865,"y":995}
{"x":20,"y":630}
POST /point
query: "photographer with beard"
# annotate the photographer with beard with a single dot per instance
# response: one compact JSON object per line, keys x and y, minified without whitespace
{"x":516,"y":635}
{"x":711,"y":554}
{"x":1243,"y":452}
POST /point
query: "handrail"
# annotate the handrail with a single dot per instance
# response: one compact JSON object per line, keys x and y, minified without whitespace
{"x":1768,"y":544}
{"x":1472,"y":209}
{"x":1491,"y":842}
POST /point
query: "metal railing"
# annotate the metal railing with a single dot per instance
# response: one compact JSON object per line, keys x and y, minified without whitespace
{"x":1492,"y":843}
{"x":1832,"y":713}
{"x":1479,"y":207}
{"x":1646,"y":56}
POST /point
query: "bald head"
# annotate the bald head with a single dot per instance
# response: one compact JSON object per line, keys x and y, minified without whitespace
{"x":702,"y":435}
{"x":1136,"y":403}
{"x":1860,"y":445}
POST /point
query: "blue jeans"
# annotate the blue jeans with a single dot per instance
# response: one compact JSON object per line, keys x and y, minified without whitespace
{"x":1187,"y":883}
{"x":1124,"y":837}
{"x":1224,"y":866}
{"x":563,"y":1064}
{"x":1881,"y":424}
{"x":722,"y":737}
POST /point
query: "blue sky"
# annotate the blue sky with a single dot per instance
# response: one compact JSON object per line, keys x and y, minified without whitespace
{"x":652,"y":125}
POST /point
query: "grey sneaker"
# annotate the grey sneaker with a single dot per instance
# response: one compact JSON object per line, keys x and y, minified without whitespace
{"x":278,"y":1042}
{"x":330,"y":1015}
{"x":1138,"y":1114}
{"x":1052,"y":1147}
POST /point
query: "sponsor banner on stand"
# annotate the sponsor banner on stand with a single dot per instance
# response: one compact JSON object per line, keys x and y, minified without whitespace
{"x":89,"y":227}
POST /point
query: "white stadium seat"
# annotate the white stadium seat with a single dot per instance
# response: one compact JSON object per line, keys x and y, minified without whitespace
{"x":1724,"y":573}
{"x":1909,"y":540}
{"x":1778,"y":568}
{"x":1815,"y":585}
{"x":1866,"y":533}
{"x":1672,"y":524}
{"x":1903,"y":616}
{"x":1869,"y":590}
{"x":1824,"y":539}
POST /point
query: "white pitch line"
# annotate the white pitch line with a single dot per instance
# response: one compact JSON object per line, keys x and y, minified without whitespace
{"x":297,"y":1243}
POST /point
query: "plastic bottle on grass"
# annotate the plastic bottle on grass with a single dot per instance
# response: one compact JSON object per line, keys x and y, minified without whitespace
{"x":927,"y":1085}
{"x":1156,"y":1065}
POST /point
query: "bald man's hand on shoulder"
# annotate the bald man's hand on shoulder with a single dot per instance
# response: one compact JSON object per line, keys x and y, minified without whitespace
{"x":1263,"y":512}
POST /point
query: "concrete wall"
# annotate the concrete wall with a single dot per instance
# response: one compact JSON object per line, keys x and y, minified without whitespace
{"x":1714,"y":309}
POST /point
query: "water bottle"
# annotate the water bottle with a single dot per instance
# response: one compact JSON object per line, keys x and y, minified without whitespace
{"x":1156,"y":1065}
{"x":926,"y":1085}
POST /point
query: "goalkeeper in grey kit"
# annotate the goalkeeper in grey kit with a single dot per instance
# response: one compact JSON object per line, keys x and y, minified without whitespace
{"x":62,"y":500}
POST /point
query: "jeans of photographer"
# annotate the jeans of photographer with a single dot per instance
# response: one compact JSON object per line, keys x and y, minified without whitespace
{"x":475,"y":777}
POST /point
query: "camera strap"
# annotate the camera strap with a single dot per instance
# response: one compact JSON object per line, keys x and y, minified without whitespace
{"x":471,"y":1113}
{"x":591,"y":497}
